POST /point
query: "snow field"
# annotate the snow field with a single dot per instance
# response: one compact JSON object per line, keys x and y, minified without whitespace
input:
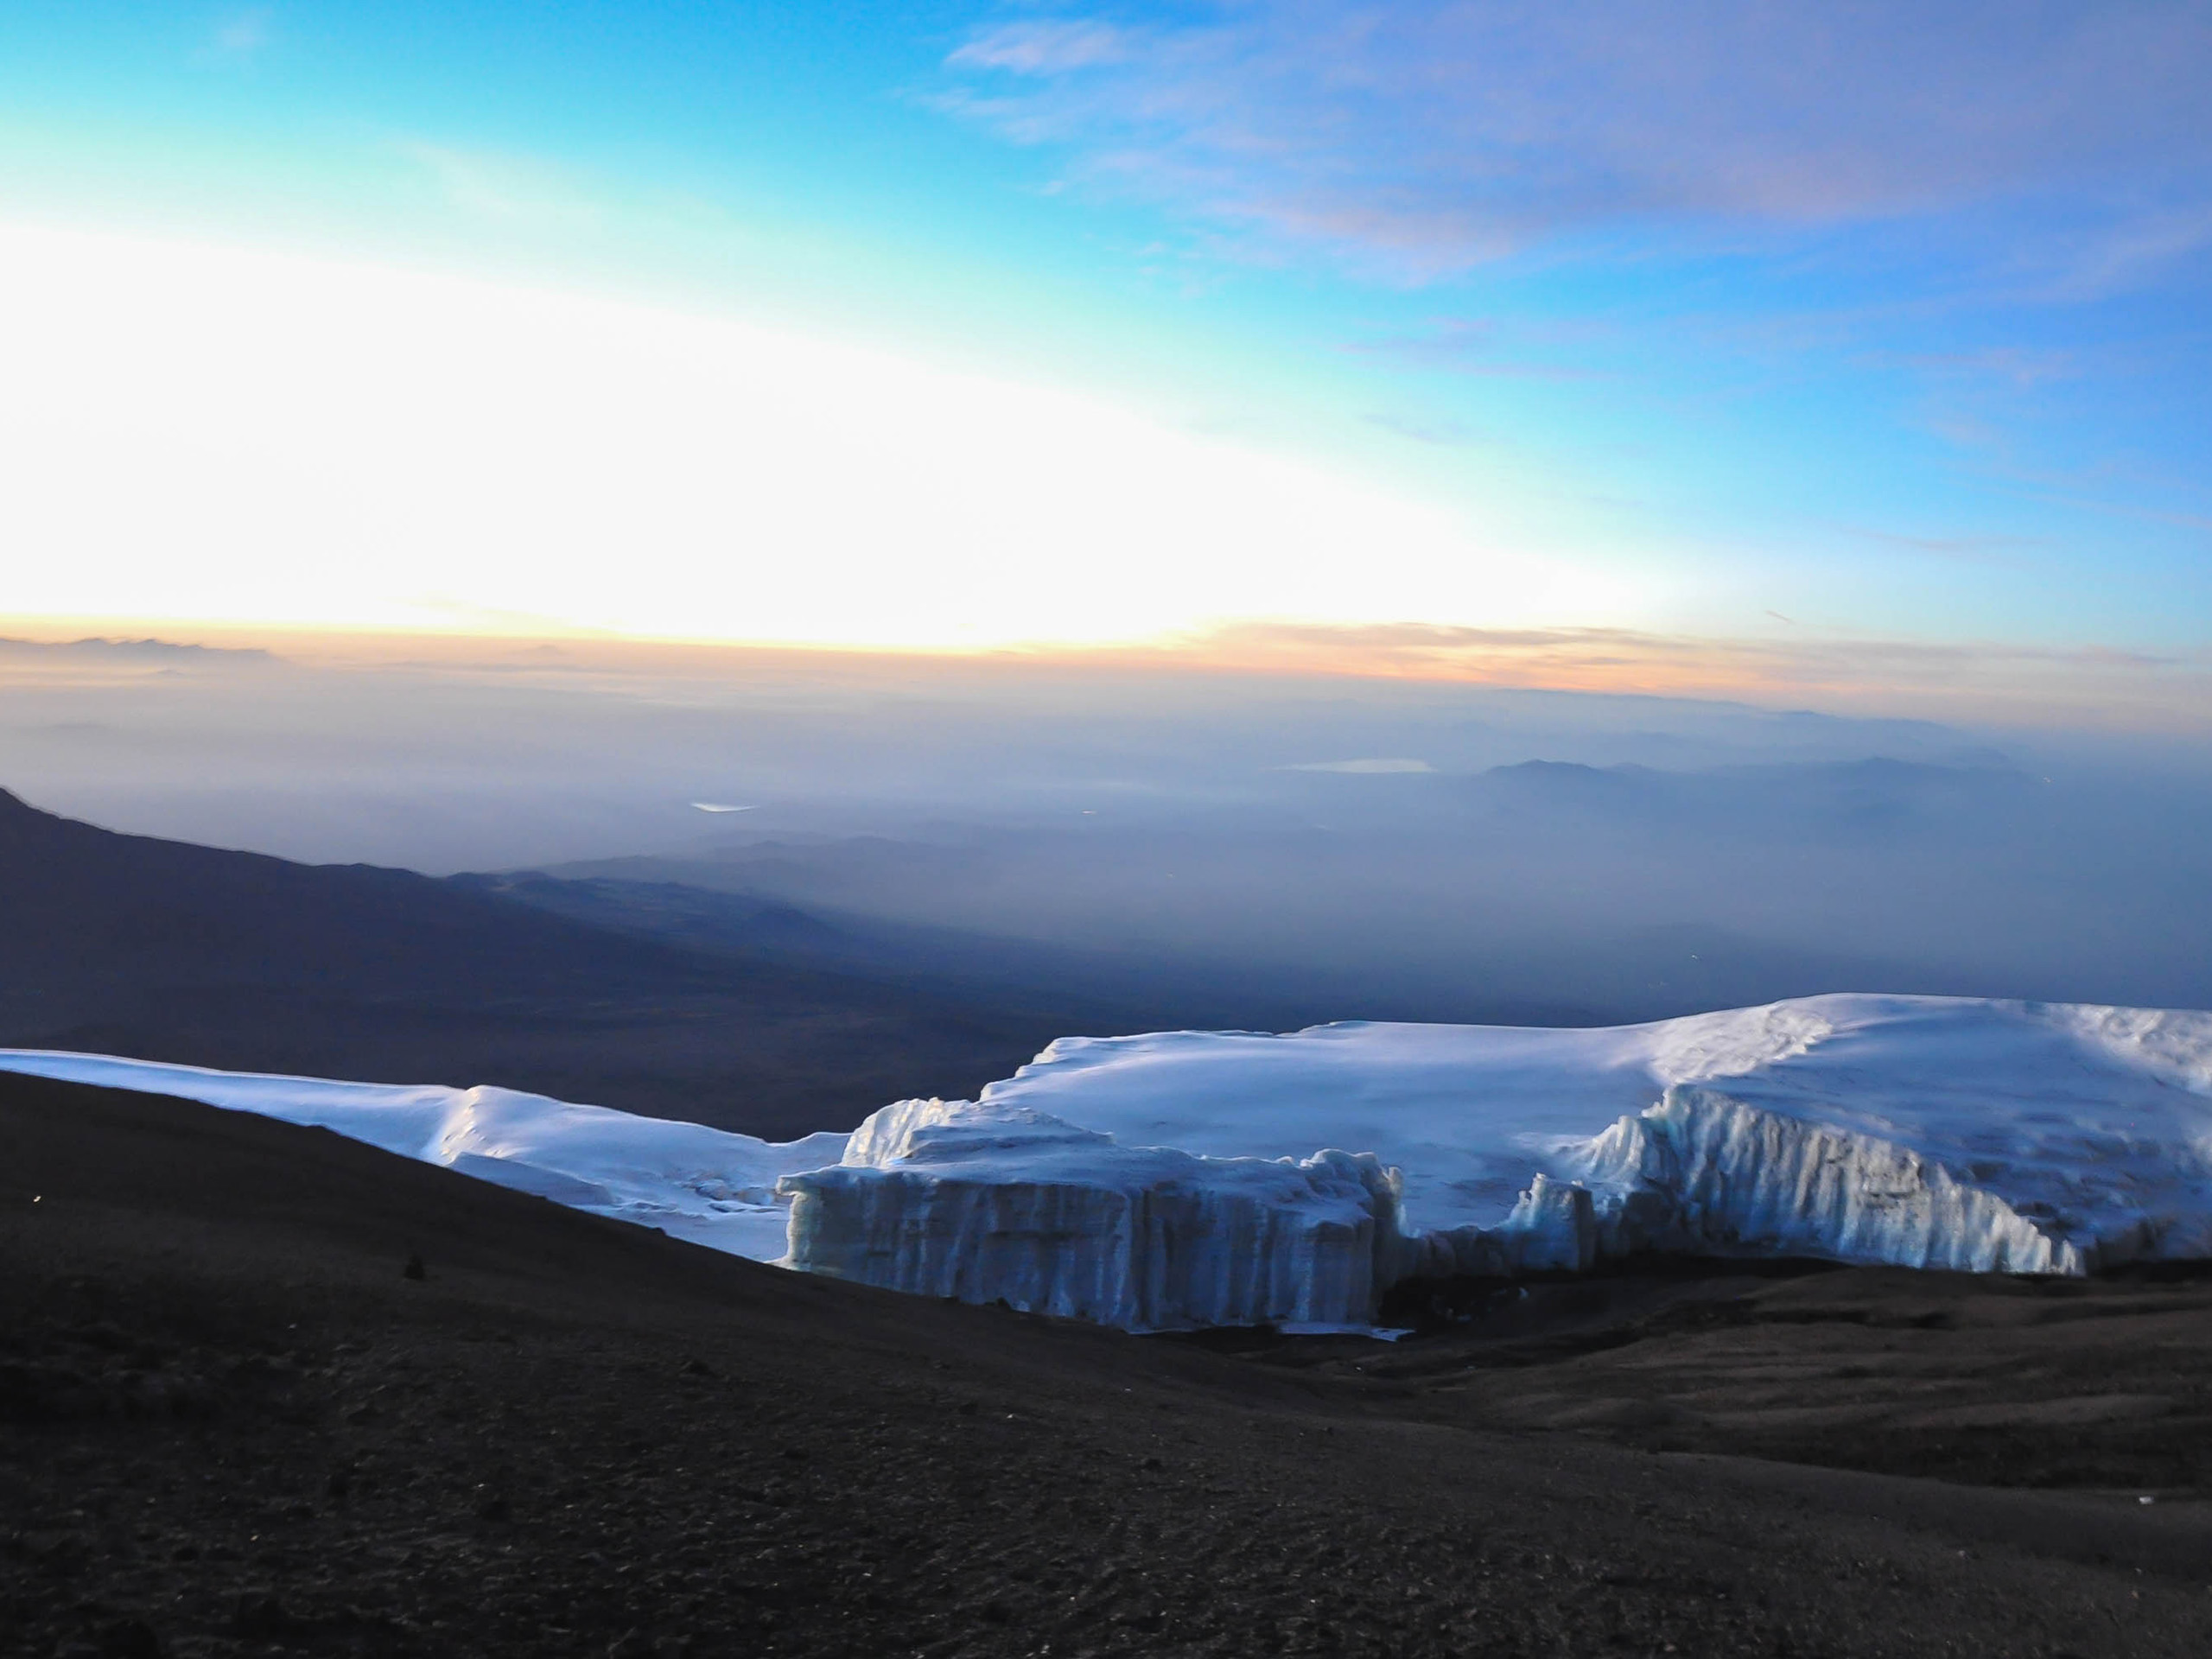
{"x":1186,"y":1178}
{"x":705,"y":1184}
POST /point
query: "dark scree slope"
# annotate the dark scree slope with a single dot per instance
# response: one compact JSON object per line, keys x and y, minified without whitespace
{"x":232,"y":1422}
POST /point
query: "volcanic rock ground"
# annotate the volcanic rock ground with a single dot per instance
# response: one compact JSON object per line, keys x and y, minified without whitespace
{"x":263,"y":1390}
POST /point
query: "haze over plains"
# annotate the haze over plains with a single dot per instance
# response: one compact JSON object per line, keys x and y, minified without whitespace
{"x":1335,"y":846}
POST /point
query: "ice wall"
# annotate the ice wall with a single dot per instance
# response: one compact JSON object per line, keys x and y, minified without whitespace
{"x":1703,"y":1174}
{"x":1020,"y":1207}
{"x":1911,"y":1131}
{"x":1007,"y":1205}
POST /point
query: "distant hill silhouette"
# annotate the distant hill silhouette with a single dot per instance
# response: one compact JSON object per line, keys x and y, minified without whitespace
{"x":132,"y":946}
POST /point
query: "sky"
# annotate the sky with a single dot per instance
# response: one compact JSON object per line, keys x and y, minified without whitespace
{"x":1708,"y":345}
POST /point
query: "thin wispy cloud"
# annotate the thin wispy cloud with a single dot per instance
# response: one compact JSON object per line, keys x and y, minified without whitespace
{"x":2000,"y":551}
{"x":1964,"y":679}
{"x":1469,"y":346}
{"x":1046,"y":46}
{"x":2023,"y":367}
{"x":2141,"y":248}
{"x":1433,"y":137}
{"x":237,"y":36}
{"x":1375,"y":766}
{"x":506,"y":190}
{"x":1423,"y":428}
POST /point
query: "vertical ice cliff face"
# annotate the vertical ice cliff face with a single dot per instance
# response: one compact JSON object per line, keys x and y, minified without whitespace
{"x":1007,"y":1205}
{"x":991,"y":1202}
{"x":1914,"y":1131}
{"x":1705,"y":1174}
{"x":1700,"y":1174}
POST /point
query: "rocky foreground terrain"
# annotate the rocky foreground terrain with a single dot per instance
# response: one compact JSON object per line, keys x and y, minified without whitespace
{"x":263,"y":1390}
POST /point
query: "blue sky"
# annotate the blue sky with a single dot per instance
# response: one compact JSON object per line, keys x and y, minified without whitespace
{"x":1730,"y":322}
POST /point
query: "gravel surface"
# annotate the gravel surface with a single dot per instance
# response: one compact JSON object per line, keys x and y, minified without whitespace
{"x":262,"y":1390}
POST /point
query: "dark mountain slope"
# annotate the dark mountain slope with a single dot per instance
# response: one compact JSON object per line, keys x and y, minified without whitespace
{"x":163,"y":951}
{"x":89,"y":908}
{"x":229,"y":1425}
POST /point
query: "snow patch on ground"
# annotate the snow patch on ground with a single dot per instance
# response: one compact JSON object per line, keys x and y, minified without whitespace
{"x":704,"y":1185}
{"x":1205,"y":1177}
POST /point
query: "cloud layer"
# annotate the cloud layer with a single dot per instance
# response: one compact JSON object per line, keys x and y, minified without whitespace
{"x":1962,"y":679}
{"x":1431,"y":136}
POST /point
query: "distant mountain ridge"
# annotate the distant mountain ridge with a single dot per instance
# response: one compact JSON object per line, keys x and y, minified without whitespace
{"x":89,"y":907}
{"x":146,"y":650}
{"x":161,"y":949}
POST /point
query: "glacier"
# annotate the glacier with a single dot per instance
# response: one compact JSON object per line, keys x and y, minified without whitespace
{"x":989,"y":1203}
{"x":1925,"y":1132}
{"x":1183,"y":1179}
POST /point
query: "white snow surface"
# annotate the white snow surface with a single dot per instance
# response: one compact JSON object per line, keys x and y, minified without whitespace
{"x":1919,"y":1131}
{"x":1195,"y":1178}
{"x":705,"y":1184}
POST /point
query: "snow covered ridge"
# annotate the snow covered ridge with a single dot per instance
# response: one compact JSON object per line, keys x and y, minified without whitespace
{"x":1193,"y":1178}
{"x":704,"y":1185}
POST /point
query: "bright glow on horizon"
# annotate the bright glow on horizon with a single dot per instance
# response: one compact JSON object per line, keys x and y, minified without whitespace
{"x":210,"y":434}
